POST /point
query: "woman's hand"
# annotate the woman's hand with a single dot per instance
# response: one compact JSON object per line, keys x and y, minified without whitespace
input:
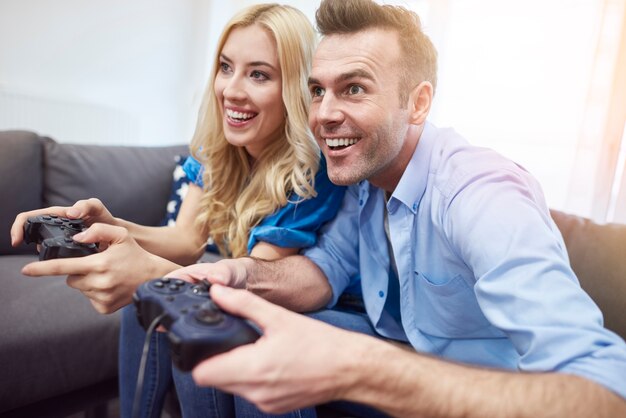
{"x":89,"y":210}
{"x":110,"y":277}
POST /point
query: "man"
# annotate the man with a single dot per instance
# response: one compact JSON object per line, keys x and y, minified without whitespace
{"x":455,"y":249}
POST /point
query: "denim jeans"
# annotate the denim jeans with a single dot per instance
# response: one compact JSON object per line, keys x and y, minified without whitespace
{"x":158,"y":370}
{"x":199,"y":401}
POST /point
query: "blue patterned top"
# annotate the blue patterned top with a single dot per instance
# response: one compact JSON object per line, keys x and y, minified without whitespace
{"x":296,"y":224}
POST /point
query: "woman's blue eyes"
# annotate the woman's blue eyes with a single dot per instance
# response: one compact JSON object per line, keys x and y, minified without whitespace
{"x":254,"y":74}
{"x":258,"y":75}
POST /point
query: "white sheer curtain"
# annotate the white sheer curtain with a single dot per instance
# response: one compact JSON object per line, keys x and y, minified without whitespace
{"x":542,"y":82}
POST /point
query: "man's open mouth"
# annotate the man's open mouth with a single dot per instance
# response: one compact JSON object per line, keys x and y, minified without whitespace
{"x":340,"y":143}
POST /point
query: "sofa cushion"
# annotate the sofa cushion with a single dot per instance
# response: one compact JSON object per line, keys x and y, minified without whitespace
{"x":20,"y":182}
{"x":53,"y":341}
{"x":132,"y":182}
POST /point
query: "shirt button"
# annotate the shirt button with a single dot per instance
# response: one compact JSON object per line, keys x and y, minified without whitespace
{"x":360,"y":202}
{"x":381,"y":293}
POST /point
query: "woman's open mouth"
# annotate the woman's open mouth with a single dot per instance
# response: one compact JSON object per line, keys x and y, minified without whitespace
{"x":239,"y":117}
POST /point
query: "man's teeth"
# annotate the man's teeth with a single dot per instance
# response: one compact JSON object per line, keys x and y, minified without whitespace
{"x":340,"y":142}
{"x":238,"y":115}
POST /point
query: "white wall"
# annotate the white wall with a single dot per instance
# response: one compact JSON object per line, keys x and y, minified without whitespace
{"x":140,"y":63}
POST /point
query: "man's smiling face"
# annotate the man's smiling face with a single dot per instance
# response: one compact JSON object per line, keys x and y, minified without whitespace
{"x":356,"y":115}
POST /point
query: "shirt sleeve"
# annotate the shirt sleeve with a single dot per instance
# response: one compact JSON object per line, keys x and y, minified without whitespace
{"x":524,"y":284}
{"x":337,"y":250}
{"x":194,"y":170}
{"x":296,"y":224}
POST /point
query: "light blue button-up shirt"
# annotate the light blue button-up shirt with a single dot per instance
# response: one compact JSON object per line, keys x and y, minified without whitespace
{"x":483,"y":271}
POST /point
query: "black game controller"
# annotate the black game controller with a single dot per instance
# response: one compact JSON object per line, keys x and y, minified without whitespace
{"x":54,"y":234}
{"x":197,"y":327}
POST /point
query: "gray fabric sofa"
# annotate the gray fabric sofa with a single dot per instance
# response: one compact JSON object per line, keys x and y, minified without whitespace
{"x":57,"y":354}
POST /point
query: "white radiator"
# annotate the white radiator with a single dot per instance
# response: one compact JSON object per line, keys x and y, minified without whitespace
{"x":67,"y":121}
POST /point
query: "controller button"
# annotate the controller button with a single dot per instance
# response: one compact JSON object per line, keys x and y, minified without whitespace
{"x":165,"y":280}
{"x":65,"y":219}
{"x":68,"y":240}
{"x":209,"y":314}
{"x":179,"y":282}
{"x":58,"y":221}
{"x":46,"y":218}
{"x":200,"y":290}
{"x":53,"y":215}
{"x":174,"y":287}
{"x":159,"y":284}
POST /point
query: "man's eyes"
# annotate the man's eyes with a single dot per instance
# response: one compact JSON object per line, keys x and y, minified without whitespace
{"x":355,"y":89}
{"x":317,"y":91}
{"x":351,"y":90}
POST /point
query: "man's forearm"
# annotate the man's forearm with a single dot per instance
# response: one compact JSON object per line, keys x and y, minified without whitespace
{"x":410,"y":384}
{"x":294,"y":282}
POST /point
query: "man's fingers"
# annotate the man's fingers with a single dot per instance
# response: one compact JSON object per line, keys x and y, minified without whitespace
{"x":198,"y":272}
{"x":223,"y":369}
{"x":247,"y":305}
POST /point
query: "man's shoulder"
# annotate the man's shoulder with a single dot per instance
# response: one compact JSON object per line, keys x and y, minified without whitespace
{"x":456,"y":162}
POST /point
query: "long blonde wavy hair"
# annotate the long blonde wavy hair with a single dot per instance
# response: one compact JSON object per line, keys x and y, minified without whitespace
{"x":237,"y":195}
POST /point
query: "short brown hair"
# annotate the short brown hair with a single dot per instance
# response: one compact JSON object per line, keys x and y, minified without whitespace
{"x":419,"y":57}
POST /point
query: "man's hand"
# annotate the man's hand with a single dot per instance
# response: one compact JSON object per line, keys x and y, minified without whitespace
{"x":110,"y":277}
{"x":298,"y":362}
{"x":228,"y":272}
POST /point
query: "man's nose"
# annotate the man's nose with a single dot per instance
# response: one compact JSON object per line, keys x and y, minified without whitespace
{"x":328,"y":111}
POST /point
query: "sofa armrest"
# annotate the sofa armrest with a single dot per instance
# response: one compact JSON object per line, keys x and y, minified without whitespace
{"x":20,"y":182}
{"x":597,"y":254}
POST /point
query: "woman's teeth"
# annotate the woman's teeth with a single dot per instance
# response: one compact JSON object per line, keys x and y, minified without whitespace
{"x":240,"y":116}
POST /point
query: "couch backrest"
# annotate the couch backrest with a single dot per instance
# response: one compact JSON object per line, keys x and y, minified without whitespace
{"x":133,"y":182}
{"x":597,"y":253}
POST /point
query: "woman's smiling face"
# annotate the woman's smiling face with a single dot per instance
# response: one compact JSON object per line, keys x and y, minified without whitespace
{"x":248,"y":85}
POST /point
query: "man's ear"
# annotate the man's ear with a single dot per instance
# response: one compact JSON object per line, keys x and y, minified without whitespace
{"x":420,"y":100}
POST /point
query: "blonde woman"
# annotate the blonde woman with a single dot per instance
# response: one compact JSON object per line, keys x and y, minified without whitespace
{"x":259,"y":159}
{"x":258,"y":185}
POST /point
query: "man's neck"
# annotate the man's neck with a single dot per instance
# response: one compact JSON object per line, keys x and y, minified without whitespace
{"x":389,"y":177}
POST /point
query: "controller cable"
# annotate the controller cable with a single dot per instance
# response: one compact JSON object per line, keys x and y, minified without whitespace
{"x":142,"y":365}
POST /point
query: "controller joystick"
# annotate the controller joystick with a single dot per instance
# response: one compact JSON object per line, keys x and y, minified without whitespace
{"x":54,"y":234}
{"x":197,"y":327}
